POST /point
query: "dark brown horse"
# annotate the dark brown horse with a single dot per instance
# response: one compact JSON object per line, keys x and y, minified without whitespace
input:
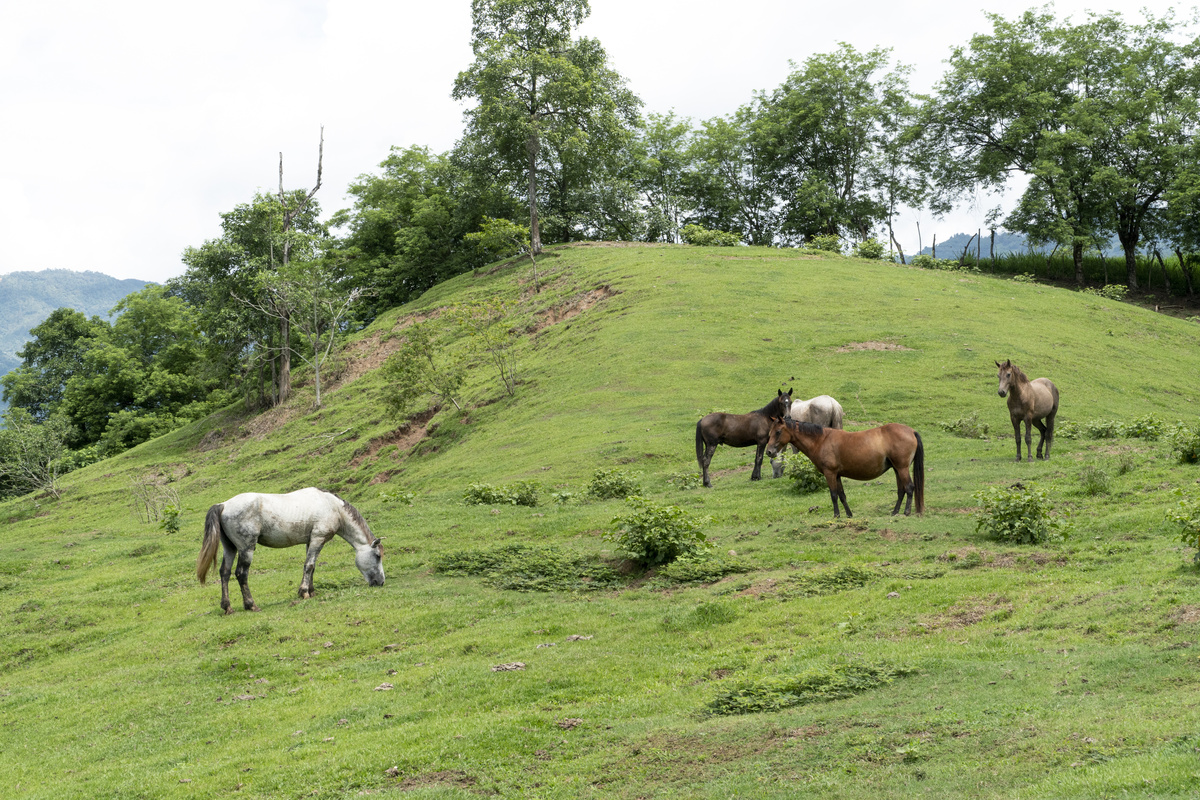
{"x":738,"y":430}
{"x":860,"y":455}
{"x":1031,"y":402}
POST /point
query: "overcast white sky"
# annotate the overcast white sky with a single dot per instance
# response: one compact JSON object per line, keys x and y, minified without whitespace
{"x":128,"y":126}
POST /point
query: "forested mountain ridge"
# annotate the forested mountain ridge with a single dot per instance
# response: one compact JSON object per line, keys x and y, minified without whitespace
{"x":27,"y":298}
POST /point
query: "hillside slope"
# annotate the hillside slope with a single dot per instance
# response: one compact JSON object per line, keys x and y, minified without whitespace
{"x":1062,"y":669}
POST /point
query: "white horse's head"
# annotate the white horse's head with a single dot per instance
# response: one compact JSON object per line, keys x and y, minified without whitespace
{"x":369,"y":561}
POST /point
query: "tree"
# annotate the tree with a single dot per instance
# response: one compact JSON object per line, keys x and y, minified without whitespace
{"x":30,"y":452}
{"x":489,"y":327}
{"x":422,"y":366}
{"x":729,"y":184}
{"x":500,"y":238}
{"x":48,"y":360}
{"x":544,"y":103}
{"x":661,"y":157}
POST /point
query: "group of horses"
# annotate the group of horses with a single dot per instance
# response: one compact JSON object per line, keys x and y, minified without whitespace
{"x":312,"y":517}
{"x":814,"y":427}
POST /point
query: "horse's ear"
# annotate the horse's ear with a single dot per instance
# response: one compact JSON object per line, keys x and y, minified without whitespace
{"x":998,"y":364}
{"x":789,"y":392}
{"x":1008,"y":362}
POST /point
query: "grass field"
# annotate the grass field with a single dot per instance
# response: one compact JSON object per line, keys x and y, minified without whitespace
{"x":941,"y":662}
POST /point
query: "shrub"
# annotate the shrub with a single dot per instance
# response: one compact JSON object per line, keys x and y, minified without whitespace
{"x":1018,"y":515}
{"x":803,"y":473}
{"x":968,"y":427}
{"x":1094,"y":481}
{"x":653,"y":534}
{"x":610,"y":483}
{"x":1113,"y":291}
{"x":1187,"y":516}
{"x":926,"y":261}
{"x":521,"y":493}
{"x":703,"y":237}
{"x":1025,"y":277}
{"x":684,"y":479}
{"x":829,"y":243}
{"x":705,"y":569}
{"x":523,"y":567}
{"x":1185,"y":444}
{"x":814,"y":686}
{"x":170,"y":519}
{"x":871,"y":249}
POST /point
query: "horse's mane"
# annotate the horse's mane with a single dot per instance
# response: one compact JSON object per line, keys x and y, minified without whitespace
{"x":355,"y":516}
{"x":773,"y":408}
{"x":810,"y":428}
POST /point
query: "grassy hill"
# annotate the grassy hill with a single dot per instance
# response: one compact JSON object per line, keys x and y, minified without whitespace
{"x":904,"y":655}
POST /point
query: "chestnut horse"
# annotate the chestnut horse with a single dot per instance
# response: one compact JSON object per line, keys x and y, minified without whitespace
{"x":738,"y":430}
{"x":820,"y":410}
{"x":859,"y":455}
{"x":1030,"y":401}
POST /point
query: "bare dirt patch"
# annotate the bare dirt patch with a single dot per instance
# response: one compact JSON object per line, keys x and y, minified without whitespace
{"x":855,"y":347}
{"x":573,"y":307}
{"x":368,"y":354}
{"x":1186,"y":615}
{"x":966,"y":612}
{"x":405,"y":438}
{"x":447,"y":777}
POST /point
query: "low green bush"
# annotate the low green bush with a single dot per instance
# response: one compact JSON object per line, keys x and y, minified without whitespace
{"x":1185,"y":443}
{"x":967,"y":427}
{"x":1113,"y":291}
{"x":526,"y":568}
{"x":1018,"y":515}
{"x":653,"y":534}
{"x":706,"y":569}
{"x":1094,"y":481}
{"x":613,"y":483}
{"x":872,"y":249}
{"x":703,"y":237}
{"x":814,"y":686}
{"x":1187,"y":516}
{"x":520,"y":493}
{"x":803,"y":473}
{"x":828,"y":243}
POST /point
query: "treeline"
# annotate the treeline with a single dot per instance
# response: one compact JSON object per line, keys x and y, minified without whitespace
{"x":1099,"y":115}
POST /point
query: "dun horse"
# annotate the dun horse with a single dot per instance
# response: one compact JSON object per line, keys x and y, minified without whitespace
{"x":738,"y":430}
{"x":309,"y":516}
{"x":821,"y":410}
{"x":1034,"y":402}
{"x":859,"y":455}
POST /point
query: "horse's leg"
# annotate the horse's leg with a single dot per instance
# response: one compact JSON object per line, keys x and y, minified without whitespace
{"x":904,"y":489}
{"x":832,"y":481}
{"x":842,"y":494}
{"x":243,"y":577}
{"x":705,"y":460}
{"x":1037,"y":423}
{"x":226,"y":570}
{"x":758,"y":457}
{"x":1028,"y":440}
{"x":1050,"y":431}
{"x":1016,"y":421}
{"x":310,"y":564}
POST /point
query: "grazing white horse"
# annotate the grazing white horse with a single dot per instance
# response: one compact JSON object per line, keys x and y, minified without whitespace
{"x":309,"y":516}
{"x":821,"y":410}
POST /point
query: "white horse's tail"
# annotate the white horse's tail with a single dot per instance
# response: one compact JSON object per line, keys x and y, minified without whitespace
{"x":212,"y":542}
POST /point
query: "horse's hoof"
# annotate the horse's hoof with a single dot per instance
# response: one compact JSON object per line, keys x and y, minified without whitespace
{"x":228,"y":611}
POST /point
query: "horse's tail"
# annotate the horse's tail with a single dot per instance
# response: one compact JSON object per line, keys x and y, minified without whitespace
{"x":212,"y":542}
{"x":918,"y":474}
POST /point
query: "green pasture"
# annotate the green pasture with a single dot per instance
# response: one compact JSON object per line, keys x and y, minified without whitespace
{"x":1065,"y":670}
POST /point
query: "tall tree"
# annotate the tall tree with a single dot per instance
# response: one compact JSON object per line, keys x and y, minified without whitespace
{"x":545,"y":103}
{"x":730,"y":185}
{"x":48,"y":360}
{"x":662,"y":164}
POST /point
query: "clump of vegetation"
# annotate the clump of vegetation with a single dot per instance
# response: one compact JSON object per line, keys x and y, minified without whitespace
{"x":926,"y":261}
{"x":1018,"y":515}
{"x":1093,"y":481}
{"x":826,"y":243}
{"x":684,"y":479}
{"x":967,"y":427}
{"x":1187,"y":516}
{"x":423,"y":367}
{"x":520,"y":493}
{"x":1185,"y":443}
{"x":703,"y":237}
{"x":613,"y":483}
{"x":526,"y":568}
{"x":1148,"y":427}
{"x":803,"y":473}
{"x":1025,"y":277}
{"x":706,"y":569}
{"x":705,"y":615}
{"x":170,"y":519}
{"x":840,"y":579}
{"x":653,"y":534}
{"x":407,"y":498}
{"x":872,"y":249}
{"x":814,"y":686}
{"x":1113,"y":291}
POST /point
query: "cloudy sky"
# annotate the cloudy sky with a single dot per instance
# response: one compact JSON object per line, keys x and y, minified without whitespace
{"x":127,"y":127}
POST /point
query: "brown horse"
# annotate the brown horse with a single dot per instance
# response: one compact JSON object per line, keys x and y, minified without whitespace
{"x":859,"y":455}
{"x":738,"y":430}
{"x":1031,"y":401}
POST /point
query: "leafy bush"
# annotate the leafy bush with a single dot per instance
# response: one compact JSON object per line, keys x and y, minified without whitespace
{"x":967,"y":427}
{"x":926,"y":261}
{"x":526,"y":568}
{"x":872,"y":249}
{"x":521,"y":493}
{"x":1148,"y":427}
{"x":703,"y":237}
{"x":170,"y":519}
{"x":1018,"y":514}
{"x":840,"y":579}
{"x":814,"y":686}
{"x":610,"y":483}
{"x":407,"y":498}
{"x":1185,"y":444}
{"x":1187,"y":516}
{"x":1025,"y":277}
{"x":653,"y":534}
{"x":803,"y":473}
{"x":829,"y":243}
{"x":706,"y":569}
{"x":684,"y":479}
{"x":1113,"y":291}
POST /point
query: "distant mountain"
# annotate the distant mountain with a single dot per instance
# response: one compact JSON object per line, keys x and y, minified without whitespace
{"x":27,"y":298}
{"x":1006,"y":244}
